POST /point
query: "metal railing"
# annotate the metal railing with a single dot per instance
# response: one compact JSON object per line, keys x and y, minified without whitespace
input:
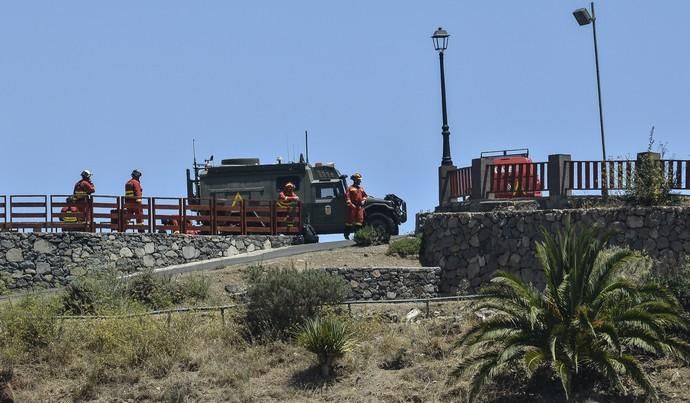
{"x":98,"y":213}
{"x":460,"y":182}
{"x":581,"y":177}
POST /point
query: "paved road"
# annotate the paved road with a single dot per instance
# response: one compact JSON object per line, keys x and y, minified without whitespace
{"x":253,"y":257}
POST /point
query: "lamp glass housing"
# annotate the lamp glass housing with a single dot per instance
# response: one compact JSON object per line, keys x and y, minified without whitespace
{"x":440,"y":38}
{"x":582,"y":16}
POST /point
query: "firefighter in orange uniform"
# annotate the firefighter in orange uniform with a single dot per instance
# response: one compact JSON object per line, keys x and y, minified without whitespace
{"x":288,"y":199}
{"x":355,"y":198}
{"x":69,"y":213}
{"x":82,"y":193}
{"x":133,"y":192}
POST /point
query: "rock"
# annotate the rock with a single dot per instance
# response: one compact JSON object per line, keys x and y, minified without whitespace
{"x":149,"y":261}
{"x":233,"y":289}
{"x":635,"y":221}
{"x":149,"y":248}
{"x":189,"y":252}
{"x":43,"y":246}
{"x":126,"y":252}
{"x":231,"y":251}
{"x":412,"y":315}
{"x":42,"y":267}
{"x":391,"y":295}
{"x":6,"y":394}
{"x":14,"y":255}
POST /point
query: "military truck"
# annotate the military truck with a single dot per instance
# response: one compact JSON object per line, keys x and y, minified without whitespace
{"x":321,"y":189}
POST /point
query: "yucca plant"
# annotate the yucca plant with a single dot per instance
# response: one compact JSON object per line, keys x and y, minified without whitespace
{"x":329,"y":338}
{"x":589,"y":323}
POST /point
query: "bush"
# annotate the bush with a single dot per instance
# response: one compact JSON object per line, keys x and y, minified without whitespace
{"x":29,"y":325}
{"x":589,"y":323}
{"x":282,"y":298}
{"x":409,"y":246}
{"x":651,"y":186}
{"x":106,"y":293}
{"x":678,"y":283}
{"x":368,"y":236}
{"x":328,"y":338}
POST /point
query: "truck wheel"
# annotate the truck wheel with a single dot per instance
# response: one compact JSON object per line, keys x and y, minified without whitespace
{"x":381,"y":223}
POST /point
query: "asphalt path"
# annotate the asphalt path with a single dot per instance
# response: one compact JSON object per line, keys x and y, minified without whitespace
{"x":253,"y":257}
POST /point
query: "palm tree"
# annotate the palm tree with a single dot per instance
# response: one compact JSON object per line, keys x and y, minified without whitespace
{"x":590,"y":320}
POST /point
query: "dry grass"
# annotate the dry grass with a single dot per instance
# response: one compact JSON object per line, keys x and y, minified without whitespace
{"x":201,"y":359}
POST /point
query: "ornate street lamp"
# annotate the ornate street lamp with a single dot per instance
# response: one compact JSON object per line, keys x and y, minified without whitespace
{"x":583,"y":17}
{"x":440,"y":38}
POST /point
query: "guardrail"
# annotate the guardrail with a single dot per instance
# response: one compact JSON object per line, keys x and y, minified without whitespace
{"x":222,"y":308}
{"x":99,"y":213}
{"x":559,"y":176}
{"x":460,"y":182}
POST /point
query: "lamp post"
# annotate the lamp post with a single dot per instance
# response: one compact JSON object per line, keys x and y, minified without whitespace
{"x":440,"y":38}
{"x":583,"y":17}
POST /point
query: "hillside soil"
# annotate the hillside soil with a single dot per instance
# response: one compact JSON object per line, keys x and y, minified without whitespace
{"x":393,"y":361}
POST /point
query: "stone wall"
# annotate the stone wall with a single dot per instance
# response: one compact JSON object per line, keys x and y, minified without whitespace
{"x":390,"y":283}
{"x":470,"y":247}
{"x":47,"y":260}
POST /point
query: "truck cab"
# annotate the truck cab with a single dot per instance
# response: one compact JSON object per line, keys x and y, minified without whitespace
{"x":321,"y":189}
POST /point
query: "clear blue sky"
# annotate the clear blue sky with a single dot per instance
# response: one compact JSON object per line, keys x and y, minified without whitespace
{"x":111,"y":86}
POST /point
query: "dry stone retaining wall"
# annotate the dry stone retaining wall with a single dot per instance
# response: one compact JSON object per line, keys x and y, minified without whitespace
{"x":390,"y":283}
{"x":470,"y":247}
{"x":52,"y":259}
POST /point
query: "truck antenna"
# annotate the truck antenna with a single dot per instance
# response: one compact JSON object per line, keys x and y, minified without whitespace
{"x":306,"y":145}
{"x":194,"y":150}
{"x":196,"y":168}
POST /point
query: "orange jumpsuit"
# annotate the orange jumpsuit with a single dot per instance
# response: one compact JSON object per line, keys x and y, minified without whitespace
{"x":133,"y":192}
{"x":288,"y":198}
{"x":82,"y":190}
{"x":355,"y":198}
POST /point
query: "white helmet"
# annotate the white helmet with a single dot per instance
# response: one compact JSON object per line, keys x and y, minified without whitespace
{"x":86,"y":174}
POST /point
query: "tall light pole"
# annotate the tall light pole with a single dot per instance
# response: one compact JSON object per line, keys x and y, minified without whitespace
{"x":440,"y":38}
{"x":583,"y":17}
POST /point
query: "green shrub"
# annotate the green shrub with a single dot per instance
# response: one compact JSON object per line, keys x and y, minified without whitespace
{"x":329,"y":338}
{"x":4,"y":282}
{"x":106,"y":293}
{"x":651,"y":186}
{"x":409,"y":246}
{"x":195,"y":287}
{"x":369,"y":235}
{"x":678,"y":283}
{"x":282,"y":298}
{"x":589,"y":322}
{"x":156,"y":291}
{"x":29,"y":325}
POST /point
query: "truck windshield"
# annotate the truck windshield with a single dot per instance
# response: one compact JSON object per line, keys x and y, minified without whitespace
{"x":328,"y":191}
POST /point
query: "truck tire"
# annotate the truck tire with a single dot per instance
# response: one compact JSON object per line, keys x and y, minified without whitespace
{"x":382,"y":223}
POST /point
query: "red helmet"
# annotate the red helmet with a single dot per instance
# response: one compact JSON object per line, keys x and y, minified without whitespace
{"x":356,"y":176}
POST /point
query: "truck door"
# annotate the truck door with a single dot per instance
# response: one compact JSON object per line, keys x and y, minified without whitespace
{"x":328,"y":209}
